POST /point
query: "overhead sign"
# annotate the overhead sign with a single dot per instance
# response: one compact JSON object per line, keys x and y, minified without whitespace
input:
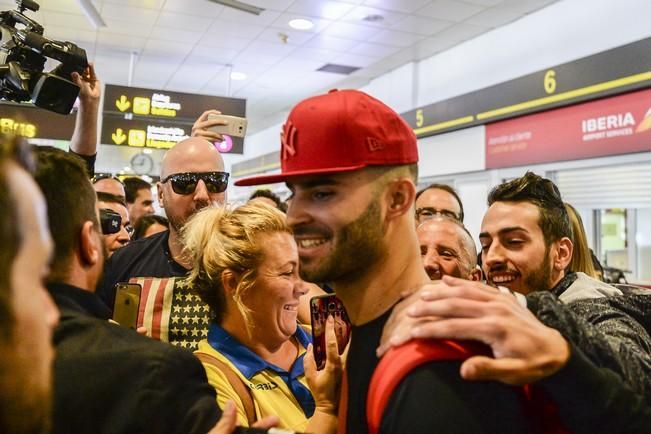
{"x":152,"y":118}
{"x":33,"y":122}
{"x":611,"y":72}
{"x":611,"y":126}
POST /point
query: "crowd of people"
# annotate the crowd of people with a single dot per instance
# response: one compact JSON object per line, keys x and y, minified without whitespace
{"x":518,"y":336}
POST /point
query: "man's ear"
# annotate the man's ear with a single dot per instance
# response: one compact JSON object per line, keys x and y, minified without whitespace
{"x":159,"y":193}
{"x":90,"y":248}
{"x":476,"y":274}
{"x":401,"y":194}
{"x":563,"y":256}
{"x":230,"y":279}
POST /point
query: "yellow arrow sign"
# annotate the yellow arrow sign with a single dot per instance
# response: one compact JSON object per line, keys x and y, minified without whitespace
{"x":118,"y":136}
{"x":123,"y":103}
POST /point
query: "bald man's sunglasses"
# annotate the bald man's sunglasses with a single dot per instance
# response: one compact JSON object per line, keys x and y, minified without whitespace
{"x":186,"y":183}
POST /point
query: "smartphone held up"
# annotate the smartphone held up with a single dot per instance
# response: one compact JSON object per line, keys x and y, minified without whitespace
{"x":321,"y":308}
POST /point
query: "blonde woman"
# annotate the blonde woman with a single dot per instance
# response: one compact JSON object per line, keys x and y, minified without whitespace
{"x":245,"y":267}
{"x":582,"y":257}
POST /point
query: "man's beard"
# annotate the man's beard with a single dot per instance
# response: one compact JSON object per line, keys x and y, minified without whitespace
{"x":178,"y":221}
{"x":540,"y":279}
{"x":358,"y":247}
{"x":25,"y":403}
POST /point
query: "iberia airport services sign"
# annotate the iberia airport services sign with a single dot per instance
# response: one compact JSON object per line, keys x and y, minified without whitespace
{"x":610,"y":126}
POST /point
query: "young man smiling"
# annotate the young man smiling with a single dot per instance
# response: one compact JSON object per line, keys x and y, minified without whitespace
{"x":350,"y":162}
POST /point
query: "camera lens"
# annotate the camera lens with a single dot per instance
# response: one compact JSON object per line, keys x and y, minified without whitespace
{"x":331,"y":306}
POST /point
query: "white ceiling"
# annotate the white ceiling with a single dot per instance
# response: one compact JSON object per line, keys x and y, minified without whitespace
{"x":185,"y":45}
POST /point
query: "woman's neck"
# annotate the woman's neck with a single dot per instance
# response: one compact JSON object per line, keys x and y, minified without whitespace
{"x":280,"y":353}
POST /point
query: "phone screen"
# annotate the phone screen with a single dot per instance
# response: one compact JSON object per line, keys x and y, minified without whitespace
{"x":127,"y":304}
{"x":320,"y":308}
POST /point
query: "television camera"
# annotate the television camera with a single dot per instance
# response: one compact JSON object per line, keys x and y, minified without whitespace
{"x":23,"y":53}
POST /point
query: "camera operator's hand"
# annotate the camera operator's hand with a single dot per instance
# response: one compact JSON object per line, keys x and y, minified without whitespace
{"x":200,"y":127}
{"x":84,"y":138}
{"x":89,"y":85}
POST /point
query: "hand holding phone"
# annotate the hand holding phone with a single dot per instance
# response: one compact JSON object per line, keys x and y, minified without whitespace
{"x":127,"y":304}
{"x":321,"y":307}
{"x":229,"y":125}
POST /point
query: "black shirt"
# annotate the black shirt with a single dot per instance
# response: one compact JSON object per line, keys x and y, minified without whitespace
{"x":431,"y":399}
{"x":110,"y":380}
{"x":169,"y":310}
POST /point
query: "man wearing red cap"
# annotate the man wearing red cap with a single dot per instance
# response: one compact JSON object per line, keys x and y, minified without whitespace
{"x":351,"y":164}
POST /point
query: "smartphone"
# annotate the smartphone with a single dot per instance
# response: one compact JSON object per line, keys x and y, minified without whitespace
{"x":321,"y":307}
{"x":127,"y":304}
{"x":235,"y":126}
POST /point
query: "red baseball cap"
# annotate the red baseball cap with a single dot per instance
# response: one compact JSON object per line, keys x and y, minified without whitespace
{"x":340,"y":131}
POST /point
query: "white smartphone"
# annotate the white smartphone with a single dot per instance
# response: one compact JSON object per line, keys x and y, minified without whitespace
{"x":235,"y":126}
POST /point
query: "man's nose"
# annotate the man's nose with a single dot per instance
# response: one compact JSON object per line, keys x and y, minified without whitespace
{"x":201,"y":192}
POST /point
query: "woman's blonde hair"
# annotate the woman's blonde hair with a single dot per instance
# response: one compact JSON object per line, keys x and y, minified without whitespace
{"x":218,"y":239}
{"x":581,"y":256}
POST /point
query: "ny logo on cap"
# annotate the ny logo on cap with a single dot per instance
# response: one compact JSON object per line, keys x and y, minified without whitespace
{"x":288,"y":139}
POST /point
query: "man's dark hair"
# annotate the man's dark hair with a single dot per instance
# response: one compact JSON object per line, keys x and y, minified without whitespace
{"x":450,"y":190}
{"x":263,"y":192}
{"x":16,"y":150}
{"x":110,"y":198}
{"x":70,"y":197}
{"x":132,"y":186}
{"x":144,"y":222}
{"x":543,"y":193}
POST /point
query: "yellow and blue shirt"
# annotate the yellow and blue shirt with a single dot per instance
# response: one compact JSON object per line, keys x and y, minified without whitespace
{"x":275,"y":391}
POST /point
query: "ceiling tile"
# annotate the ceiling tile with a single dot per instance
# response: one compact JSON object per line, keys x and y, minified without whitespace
{"x":396,"y":39}
{"x":201,"y":54}
{"x":83,"y":38}
{"x":247,"y":56}
{"x":264,"y":19}
{"x":175,"y":35}
{"x":329,"y":10}
{"x":356,"y":32}
{"x":275,"y":49}
{"x":374,"y":50}
{"x":450,"y":10}
{"x":135,"y":16}
{"x":220,"y":27}
{"x":331,"y":43}
{"x":174,"y":51}
{"x":462,"y":32}
{"x":388,"y":17}
{"x":316,"y":54}
{"x":485,"y":2}
{"x":397,"y":5}
{"x":147,"y":4}
{"x":421,"y":25}
{"x":192,"y":75}
{"x":116,"y":25}
{"x":106,"y":40}
{"x":188,"y":23}
{"x":50,"y":5}
{"x":495,"y":17}
{"x":276,"y":5}
{"x":72,"y":21}
{"x":201,"y":8}
{"x":354,"y":60}
{"x":295,"y":37}
{"x":211,"y":39}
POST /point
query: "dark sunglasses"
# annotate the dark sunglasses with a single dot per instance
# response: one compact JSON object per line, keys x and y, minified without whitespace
{"x":110,"y":221}
{"x":427,"y":213}
{"x":186,"y":183}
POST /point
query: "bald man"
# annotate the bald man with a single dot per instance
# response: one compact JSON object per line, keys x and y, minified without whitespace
{"x":447,"y":249}
{"x":192,"y":178}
